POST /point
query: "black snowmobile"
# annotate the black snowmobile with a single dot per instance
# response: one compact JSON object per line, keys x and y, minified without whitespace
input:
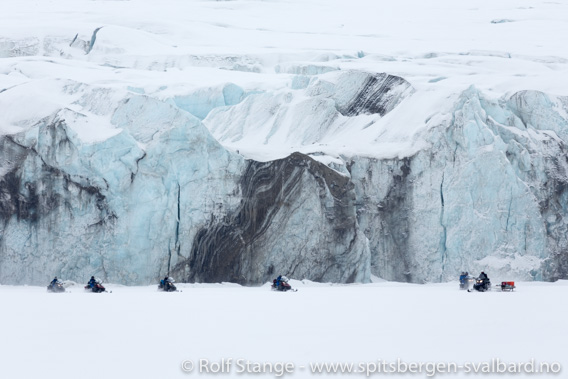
{"x":55,"y":287}
{"x":482,"y":285}
{"x":167,"y":285}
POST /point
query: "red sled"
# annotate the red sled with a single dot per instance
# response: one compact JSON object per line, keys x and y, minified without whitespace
{"x":507,"y":286}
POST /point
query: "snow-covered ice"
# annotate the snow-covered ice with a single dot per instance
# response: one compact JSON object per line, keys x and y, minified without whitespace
{"x":137,"y":332}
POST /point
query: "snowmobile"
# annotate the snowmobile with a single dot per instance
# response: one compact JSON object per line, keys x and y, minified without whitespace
{"x":167,"y":285}
{"x":282,"y":285}
{"x":55,"y":287}
{"x":482,"y":285}
{"x":466,"y":281}
{"x":96,"y":288}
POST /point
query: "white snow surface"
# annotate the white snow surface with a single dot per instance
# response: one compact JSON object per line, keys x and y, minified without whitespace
{"x":137,"y":332}
{"x":189,"y":49}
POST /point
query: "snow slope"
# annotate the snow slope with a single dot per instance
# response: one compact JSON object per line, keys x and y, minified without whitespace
{"x":138,"y":332}
{"x":174,"y":48}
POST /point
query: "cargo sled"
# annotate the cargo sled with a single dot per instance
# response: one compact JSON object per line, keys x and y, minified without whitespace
{"x":507,"y":286}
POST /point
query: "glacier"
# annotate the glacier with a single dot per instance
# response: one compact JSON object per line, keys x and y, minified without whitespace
{"x":160,"y":194}
{"x":489,"y":193}
{"x":130,"y":214}
{"x":335,"y":151}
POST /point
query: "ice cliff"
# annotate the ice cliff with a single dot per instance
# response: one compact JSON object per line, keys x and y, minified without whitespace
{"x":296,"y":216}
{"x":130,"y":166}
{"x":122,"y":208}
{"x":488,"y":194}
{"x":129,"y":188}
{"x":486,"y":190}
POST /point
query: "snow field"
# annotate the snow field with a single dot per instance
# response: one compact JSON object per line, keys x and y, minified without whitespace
{"x":137,"y":332}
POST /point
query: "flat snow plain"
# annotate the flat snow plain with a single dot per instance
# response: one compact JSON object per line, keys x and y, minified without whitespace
{"x":137,"y":332}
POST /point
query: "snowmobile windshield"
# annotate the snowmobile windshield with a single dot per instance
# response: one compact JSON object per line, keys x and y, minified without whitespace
{"x":170,"y":280}
{"x":284,"y":279}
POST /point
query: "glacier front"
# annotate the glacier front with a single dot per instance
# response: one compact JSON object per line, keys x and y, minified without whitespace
{"x":214,"y":141}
